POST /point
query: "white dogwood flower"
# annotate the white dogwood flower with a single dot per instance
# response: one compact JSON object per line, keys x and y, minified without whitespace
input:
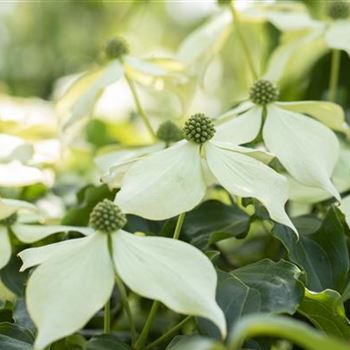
{"x":17,"y":216}
{"x":291,"y":131}
{"x":172,"y":181}
{"x":76,"y":277}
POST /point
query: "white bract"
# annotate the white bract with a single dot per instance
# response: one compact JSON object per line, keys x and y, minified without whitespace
{"x":18,"y":216}
{"x":172,"y":181}
{"x":79,"y":100}
{"x":164,"y":269}
{"x":291,"y":130}
{"x":16,"y":168}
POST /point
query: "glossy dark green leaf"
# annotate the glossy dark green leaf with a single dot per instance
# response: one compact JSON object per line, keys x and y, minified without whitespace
{"x":12,"y":278}
{"x":213,"y":221}
{"x":88,"y":197}
{"x":322,"y":254}
{"x":15,"y":337}
{"x":106,"y":342}
{"x":73,"y":342}
{"x":326,"y":311}
{"x":265,"y":286}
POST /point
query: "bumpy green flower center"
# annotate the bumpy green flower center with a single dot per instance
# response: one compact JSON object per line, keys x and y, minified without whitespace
{"x":169,"y":132}
{"x":199,"y":128}
{"x":10,"y":220}
{"x":116,"y":48}
{"x":263,"y":92}
{"x":338,"y":9}
{"x":107,"y":217}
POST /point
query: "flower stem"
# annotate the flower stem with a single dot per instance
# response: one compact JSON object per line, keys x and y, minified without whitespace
{"x":107,"y":318}
{"x":179,"y":223}
{"x":168,"y":333}
{"x":146,"y":329}
{"x":122,"y":291}
{"x":152,"y":314}
{"x":244,"y":45}
{"x":139,"y":107}
{"x":334,"y":76}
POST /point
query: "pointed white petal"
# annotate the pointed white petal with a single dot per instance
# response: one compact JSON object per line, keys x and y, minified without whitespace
{"x":234,"y":112}
{"x":5,"y":247}
{"x":305,"y":147}
{"x":143,"y":66}
{"x":259,"y":154}
{"x":245,"y":176}
{"x":36,"y":256}
{"x":14,"y":148}
{"x":328,"y":113}
{"x":69,"y":288}
{"x":171,"y":271}
{"x":33,"y":233}
{"x":241,"y":129}
{"x":16,"y":174}
{"x":282,"y":57}
{"x":337,"y":36}
{"x":10,"y":206}
{"x":164,"y":184}
{"x":116,"y":164}
{"x":84,"y":105}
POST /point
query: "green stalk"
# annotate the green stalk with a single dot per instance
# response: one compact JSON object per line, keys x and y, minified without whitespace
{"x":107,"y":318}
{"x":146,"y":329}
{"x":334,"y":76}
{"x":168,"y":333}
{"x":235,"y":19}
{"x":139,"y":107}
{"x":141,"y":341}
{"x":122,"y":291}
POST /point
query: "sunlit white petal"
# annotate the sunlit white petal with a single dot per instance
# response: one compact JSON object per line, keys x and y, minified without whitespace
{"x":17,"y":174}
{"x":245,"y":176}
{"x":36,"y":256}
{"x":164,"y":184}
{"x":32,"y":233}
{"x":305,"y":147}
{"x":10,"y":206}
{"x":337,"y":36}
{"x":241,"y":129}
{"x":68,"y":289}
{"x":171,"y":271}
{"x":328,"y":113}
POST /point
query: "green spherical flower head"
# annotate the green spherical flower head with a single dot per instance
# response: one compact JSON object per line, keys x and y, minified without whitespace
{"x":107,"y":217}
{"x":169,"y":132}
{"x":10,"y":220}
{"x":116,"y":48}
{"x":199,"y":128}
{"x":263,"y":92}
{"x":338,"y":9}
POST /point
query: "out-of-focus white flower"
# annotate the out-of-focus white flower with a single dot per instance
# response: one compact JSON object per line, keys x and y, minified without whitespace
{"x":19,"y":216}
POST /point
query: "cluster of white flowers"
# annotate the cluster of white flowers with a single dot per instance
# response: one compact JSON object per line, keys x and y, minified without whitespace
{"x":170,"y":176}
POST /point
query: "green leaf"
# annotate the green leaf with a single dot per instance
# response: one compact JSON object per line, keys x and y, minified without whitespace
{"x":322,"y":254}
{"x":213,"y":221}
{"x":265,"y":286}
{"x":21,"y":315}
{"x":73,"y":342}
{"x":87,"y":197}
{"x":193,"y":342}
{"x":282,"y":327}
{"x":106,"y":342}
{"x":12,"y":278}
{"x":326,"y":311}
{"x":15,"y":337}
